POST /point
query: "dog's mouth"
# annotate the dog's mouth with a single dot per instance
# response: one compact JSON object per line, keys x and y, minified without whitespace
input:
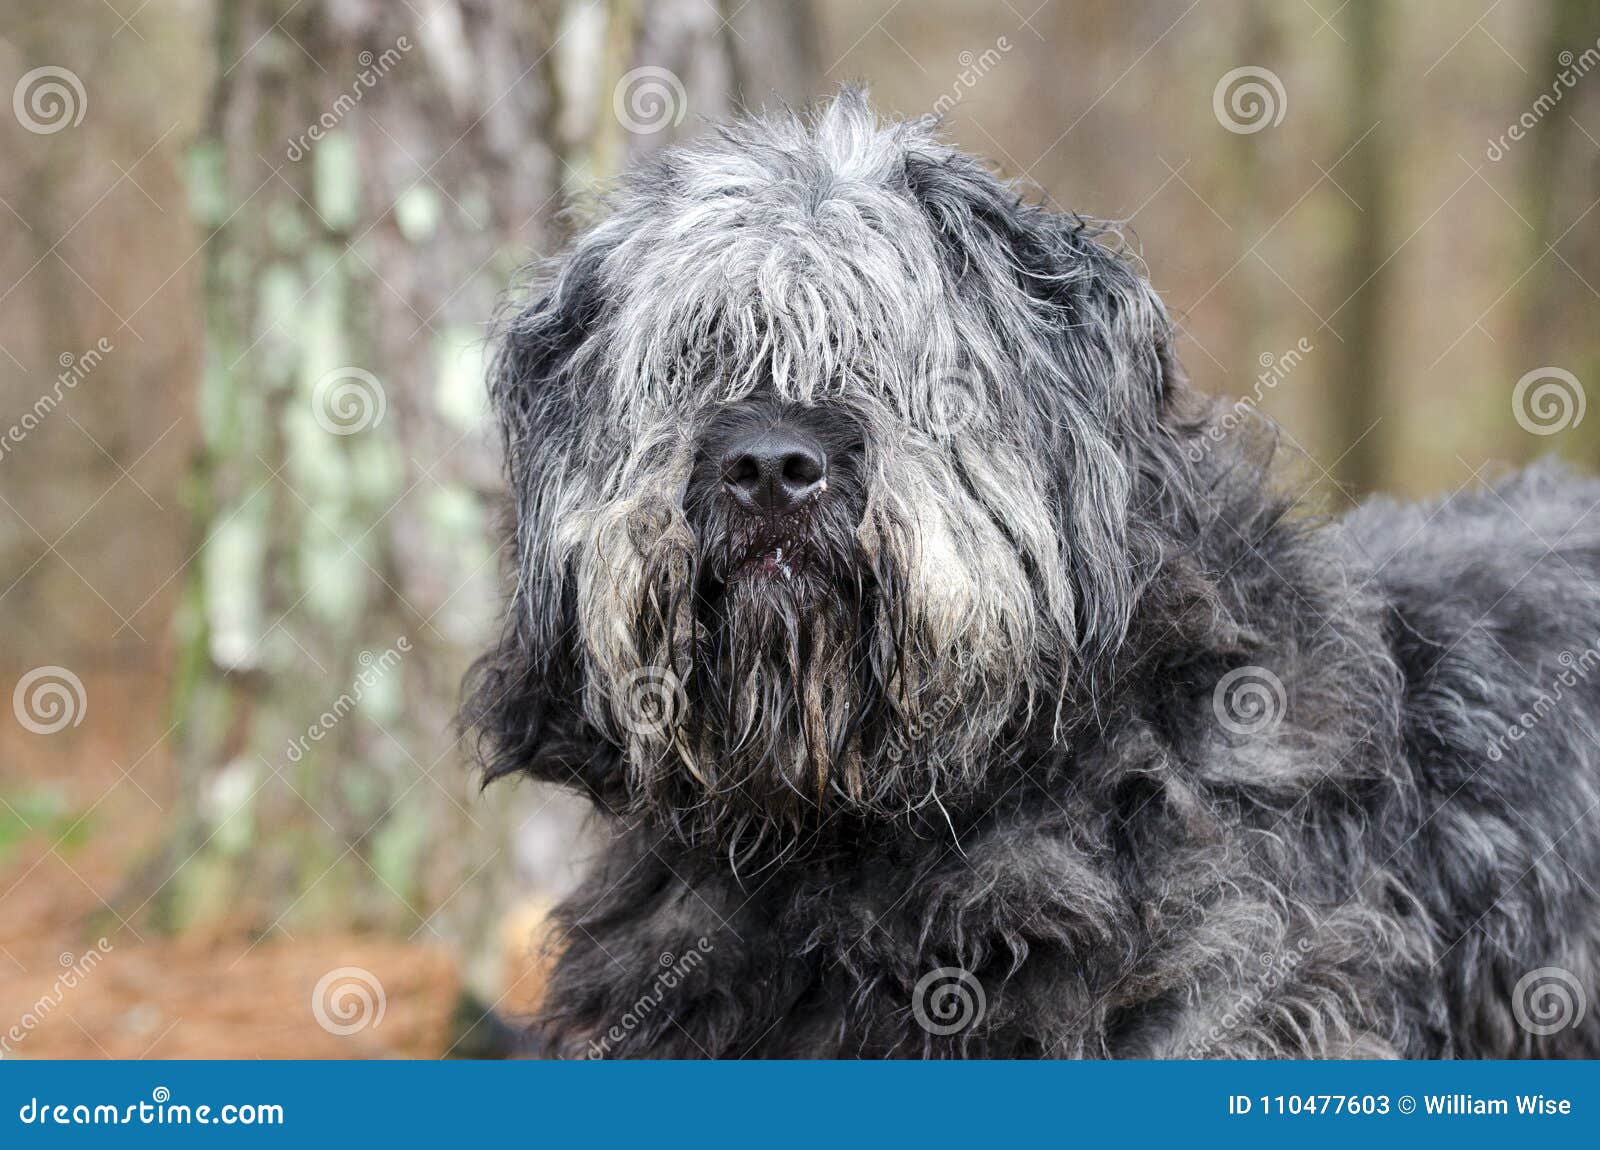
{"x":772,"y":557}
{"x":778,"y":555}
{"x":766,"y":566}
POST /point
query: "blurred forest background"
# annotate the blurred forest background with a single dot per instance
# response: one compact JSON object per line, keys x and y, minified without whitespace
{"x":247,"y":495}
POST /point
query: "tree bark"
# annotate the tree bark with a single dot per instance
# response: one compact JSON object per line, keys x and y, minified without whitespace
{"x":1356,"y":399}
{"x":372,"y":178}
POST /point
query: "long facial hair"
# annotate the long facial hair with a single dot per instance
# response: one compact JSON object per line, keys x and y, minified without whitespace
{"x":783,"y":672}
{"x":786,"y":604}
{"x":974,"y":564}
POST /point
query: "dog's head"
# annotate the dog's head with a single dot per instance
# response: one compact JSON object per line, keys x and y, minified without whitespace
{"x":832,"y":463}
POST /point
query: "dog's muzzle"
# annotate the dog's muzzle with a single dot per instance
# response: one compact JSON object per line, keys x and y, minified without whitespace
{"x":775,"y":469}
{"x":768,"y":488}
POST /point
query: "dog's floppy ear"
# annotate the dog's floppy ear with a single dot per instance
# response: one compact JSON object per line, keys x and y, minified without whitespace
{"x":1109,"y":326}
{"x":524,"y":697}
{"x":1101,"y":316}
{"x":1127,"y":481}
{"x":1095,"y":356}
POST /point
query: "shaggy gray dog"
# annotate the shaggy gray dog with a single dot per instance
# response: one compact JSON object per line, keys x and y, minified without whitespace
{"x":952,"y":682}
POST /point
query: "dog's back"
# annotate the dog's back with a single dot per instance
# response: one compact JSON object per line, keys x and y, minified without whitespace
{"x":1494,"y":603}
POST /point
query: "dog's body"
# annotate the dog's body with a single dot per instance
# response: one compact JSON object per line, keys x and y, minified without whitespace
{"x":1047,"y":730}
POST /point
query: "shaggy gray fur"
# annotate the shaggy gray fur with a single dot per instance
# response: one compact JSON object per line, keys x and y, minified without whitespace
{"x":1056,"y":732}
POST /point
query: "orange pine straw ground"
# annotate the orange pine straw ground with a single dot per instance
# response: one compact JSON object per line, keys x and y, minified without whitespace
{"x":159,"y":997}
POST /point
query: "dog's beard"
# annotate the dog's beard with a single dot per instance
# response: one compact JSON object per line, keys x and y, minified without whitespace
{"x":811,"y":666}
{"x":780,"y":692}
{"x":778,"y":683}
{"x":809,"y":696}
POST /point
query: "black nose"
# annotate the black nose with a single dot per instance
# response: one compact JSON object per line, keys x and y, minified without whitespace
{"x":775,"y":469}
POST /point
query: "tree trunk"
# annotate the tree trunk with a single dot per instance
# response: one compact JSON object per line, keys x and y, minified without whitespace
{"x":1355,"y":400}
{"x":372,"y":178}
{"x":1557,"y":300}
